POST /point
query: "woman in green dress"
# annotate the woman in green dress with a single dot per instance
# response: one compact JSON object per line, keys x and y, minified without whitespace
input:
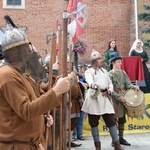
{"x":111,"y":48}
{"x":137,"y":50}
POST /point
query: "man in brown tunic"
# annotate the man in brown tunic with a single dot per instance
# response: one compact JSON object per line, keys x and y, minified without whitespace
{"x":21,"y":111}
{"x":76,"y":96}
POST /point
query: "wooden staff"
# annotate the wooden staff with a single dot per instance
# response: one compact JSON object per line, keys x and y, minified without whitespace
{"x":53,"y":56}
{"x":69,"y":107}
{"x":63,"y":72}
{"x":52,"y":60}
{"x":60,"y":66}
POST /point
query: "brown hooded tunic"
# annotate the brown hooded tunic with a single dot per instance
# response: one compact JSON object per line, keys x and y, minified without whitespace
{"x":76,"y":95}
{"x":21,"y":112}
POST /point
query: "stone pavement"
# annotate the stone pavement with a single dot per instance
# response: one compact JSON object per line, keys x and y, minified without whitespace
{"x":139,"y":141}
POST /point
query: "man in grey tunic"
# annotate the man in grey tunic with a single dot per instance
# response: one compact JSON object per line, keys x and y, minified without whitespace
{"x":121,"y":83}
{"x":97,"y":102}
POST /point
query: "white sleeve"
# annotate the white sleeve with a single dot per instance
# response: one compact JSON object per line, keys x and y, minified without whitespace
{"x":110,"y":86}
{"x":89,"y":77}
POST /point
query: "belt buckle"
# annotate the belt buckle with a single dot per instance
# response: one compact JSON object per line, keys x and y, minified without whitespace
{"x":104,"y":90}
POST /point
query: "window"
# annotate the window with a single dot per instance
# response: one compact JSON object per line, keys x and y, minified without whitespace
{"x":14,"y":4}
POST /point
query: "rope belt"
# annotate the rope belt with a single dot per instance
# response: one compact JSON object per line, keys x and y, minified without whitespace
{"x":32,"y":143}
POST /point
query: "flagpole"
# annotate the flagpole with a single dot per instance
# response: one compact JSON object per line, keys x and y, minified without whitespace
{"x":136,"y":18}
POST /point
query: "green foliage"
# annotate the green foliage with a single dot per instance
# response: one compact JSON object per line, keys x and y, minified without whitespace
{"x":146,"y":30}
{"x":147,"y":7}
{"x":146,"y":43}
{"x":146,"y":17}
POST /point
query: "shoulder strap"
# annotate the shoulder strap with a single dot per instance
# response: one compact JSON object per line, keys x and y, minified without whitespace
{"x":116,"y":79}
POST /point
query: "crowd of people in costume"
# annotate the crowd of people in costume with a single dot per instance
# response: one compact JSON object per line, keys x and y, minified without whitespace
{"x":25,"y":96}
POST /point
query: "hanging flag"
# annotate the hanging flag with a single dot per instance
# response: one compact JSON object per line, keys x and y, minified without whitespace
{"x":71,"y":5}
{"x":79,"y":18}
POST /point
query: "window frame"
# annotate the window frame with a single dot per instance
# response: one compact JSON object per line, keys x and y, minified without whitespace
{"x":22,"y":6}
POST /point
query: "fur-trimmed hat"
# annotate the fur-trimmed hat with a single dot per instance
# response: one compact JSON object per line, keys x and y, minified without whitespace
{"x":95,"y":55}
{"x":114,"y":56}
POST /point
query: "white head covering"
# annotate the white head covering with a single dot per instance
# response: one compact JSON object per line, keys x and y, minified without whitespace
{"x":135,"y":44}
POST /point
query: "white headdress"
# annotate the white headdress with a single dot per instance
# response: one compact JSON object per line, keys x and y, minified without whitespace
{"x":135,"y":44}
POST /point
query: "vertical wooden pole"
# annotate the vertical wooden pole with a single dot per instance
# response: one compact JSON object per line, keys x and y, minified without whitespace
{"x":63,"y":72}
{"x":60,"y":66}
{"x":52,"y":60}
{"x":69,"y":107}
{"x":53,"y":57}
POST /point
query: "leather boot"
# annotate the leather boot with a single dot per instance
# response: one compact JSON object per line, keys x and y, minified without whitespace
{"x":98,"y":145}
{"x":73,"y":144}
{"x":124,"y":142}
{"x":117,"y":146}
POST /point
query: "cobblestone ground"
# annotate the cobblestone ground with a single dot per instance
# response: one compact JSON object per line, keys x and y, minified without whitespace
{"x":138,"y":142}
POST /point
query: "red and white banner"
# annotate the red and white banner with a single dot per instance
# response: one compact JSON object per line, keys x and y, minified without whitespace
{"x":78,"y":12}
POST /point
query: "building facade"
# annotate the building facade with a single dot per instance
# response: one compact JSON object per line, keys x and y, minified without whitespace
{"x":107,"y":19}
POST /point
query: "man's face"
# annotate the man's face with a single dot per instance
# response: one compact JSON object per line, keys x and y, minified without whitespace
{"x":99,"y":62}
{"x":25,"y":50}
{"x":117,"y":64}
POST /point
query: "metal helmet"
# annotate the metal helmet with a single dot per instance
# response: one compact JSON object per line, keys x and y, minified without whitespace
{"x":47,"y":60}
{"x":13,"y":37}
